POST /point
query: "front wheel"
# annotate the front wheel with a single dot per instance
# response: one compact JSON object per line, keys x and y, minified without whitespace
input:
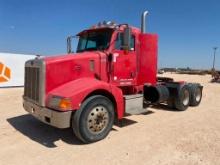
{"x":94,"y":120}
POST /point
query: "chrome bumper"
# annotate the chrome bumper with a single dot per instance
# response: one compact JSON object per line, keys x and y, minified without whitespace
{"x":48,"y":116}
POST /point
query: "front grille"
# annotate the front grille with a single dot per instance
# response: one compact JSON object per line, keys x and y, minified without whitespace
{"x":32,"y":83}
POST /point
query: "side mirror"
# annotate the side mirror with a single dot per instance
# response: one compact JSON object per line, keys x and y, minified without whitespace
{"x":127,"y":38}
{"x":72,"y":42}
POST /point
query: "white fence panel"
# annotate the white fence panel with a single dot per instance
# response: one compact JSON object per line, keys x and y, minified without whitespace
{"x":12,"y":69}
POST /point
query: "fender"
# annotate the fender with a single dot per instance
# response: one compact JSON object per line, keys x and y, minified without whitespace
{"x":78,"y":90}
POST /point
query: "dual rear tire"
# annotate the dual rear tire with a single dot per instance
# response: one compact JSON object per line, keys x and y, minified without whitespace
{"x":183,"y":99}
{"x":195,"y":94}
{"x":188,"y":95}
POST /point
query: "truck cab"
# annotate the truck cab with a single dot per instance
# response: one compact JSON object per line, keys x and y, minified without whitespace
{"x":112,"y":72}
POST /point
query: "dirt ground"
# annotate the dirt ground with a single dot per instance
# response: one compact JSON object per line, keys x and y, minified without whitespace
{"x":161,"y":136}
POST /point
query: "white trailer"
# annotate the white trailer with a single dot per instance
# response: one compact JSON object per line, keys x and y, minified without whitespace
{"x":12,"y":69}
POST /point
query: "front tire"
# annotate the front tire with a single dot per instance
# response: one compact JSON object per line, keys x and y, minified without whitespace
{"x":94,"y":120}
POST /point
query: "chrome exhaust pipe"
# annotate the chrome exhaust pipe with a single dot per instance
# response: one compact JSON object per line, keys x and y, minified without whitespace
{"x":143,"y":21}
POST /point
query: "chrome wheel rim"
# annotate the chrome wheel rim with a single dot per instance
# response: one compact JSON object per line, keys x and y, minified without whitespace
{"x":198,"y":94}
{"x":185,"y":97}
{"x":97,"y":119}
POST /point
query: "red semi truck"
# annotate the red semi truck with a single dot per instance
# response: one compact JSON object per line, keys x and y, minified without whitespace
{"x":112,"y":73}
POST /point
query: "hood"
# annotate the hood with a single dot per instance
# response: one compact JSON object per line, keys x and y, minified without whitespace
{"x":65,"y":68}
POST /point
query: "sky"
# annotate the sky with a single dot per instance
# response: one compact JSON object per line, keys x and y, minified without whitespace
{"x":188,"y":29}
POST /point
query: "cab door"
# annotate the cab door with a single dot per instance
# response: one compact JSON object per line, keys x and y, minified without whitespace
{"x":124,"y":62}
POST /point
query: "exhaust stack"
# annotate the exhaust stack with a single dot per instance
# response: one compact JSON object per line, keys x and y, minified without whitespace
{"x":143,"y":21}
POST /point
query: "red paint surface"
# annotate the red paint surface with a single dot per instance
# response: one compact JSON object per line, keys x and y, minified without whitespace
{"x":78,"y":89}
{"x":148,"y":59}
{"x":71,"y":75}
{"x":63,"y":69}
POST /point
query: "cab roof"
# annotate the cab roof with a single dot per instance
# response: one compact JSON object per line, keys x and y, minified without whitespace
{"x":109,"y":25}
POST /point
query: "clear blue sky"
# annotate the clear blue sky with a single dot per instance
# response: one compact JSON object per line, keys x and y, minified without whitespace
{"x":188,"y":29}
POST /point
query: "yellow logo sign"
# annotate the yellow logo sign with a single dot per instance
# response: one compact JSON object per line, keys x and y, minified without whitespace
{"x":5,"y":73}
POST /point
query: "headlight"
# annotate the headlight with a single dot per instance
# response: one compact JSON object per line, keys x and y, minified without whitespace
{"x":59,"y":103}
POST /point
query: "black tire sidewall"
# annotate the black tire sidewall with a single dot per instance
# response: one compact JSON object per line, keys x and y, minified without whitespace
{"x":179,"y":100}
{"x":193,"y":101}
{"x":90,"y":103}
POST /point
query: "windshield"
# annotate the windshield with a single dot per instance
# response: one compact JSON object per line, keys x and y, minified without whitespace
{"x":94,"y":40}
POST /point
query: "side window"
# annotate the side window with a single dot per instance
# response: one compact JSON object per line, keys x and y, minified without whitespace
{"x":81,"y":43}
{"x":119,"y":42}
{"x":91,"y":44}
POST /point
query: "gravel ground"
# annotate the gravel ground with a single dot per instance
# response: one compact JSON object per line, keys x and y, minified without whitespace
{"x":161,"y":136}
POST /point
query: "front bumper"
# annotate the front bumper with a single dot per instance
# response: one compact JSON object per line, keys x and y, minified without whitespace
{"x":48,"y":116}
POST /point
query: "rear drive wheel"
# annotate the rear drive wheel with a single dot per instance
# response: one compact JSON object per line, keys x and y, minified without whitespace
{"x":195,"y":94}
{"x":94,"y":120}
{"x":171,"y":104}
{"x":182,"y":100}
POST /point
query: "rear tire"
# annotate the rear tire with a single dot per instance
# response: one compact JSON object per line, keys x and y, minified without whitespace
{"x":195,"y":94}
{"x":182,"y":100}
{"x":94,"y":120}
{"x":171,"y":104}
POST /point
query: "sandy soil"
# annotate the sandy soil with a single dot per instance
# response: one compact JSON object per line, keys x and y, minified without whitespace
{"x":161,"y":136}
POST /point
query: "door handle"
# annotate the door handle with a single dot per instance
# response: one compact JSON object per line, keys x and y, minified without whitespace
{"x":132,"y":74}
{"x":77,"y":67}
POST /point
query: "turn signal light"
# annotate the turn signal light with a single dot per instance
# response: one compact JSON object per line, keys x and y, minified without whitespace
{"x":65,"y":104}
{"x":59,"y":103}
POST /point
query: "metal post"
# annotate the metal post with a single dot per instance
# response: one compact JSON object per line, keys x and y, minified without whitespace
{"x":213,"y":66}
